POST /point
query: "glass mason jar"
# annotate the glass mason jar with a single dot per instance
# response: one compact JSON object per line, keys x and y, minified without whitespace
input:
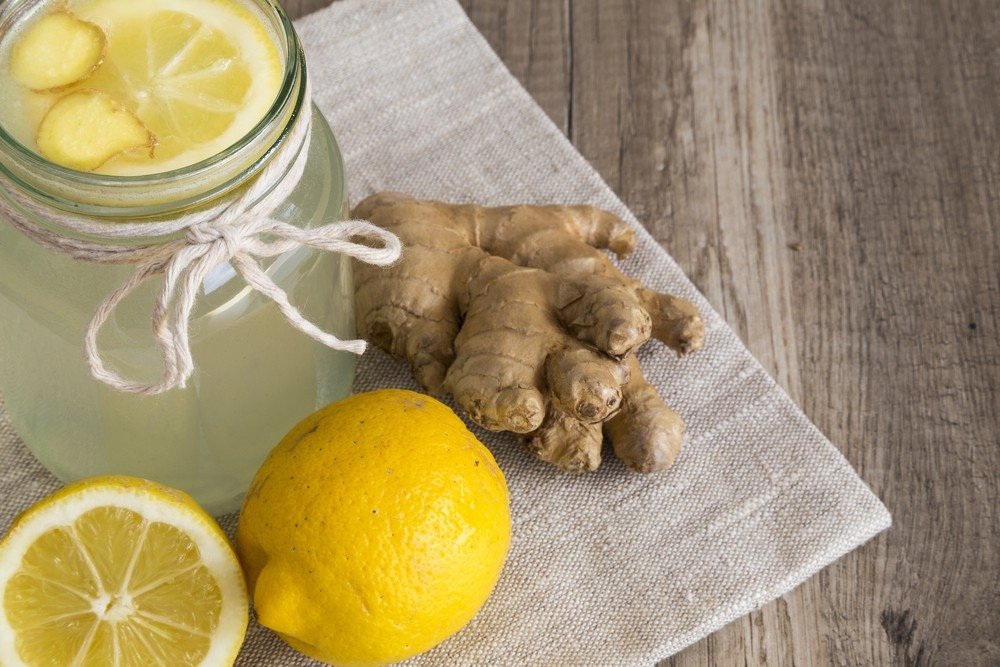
{"x":255,"y":375}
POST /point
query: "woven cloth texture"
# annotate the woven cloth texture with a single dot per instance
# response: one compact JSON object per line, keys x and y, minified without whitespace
{"x":609,"y":568}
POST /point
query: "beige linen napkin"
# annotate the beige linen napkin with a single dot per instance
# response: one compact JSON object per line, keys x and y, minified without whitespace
{"x":610,"y":568}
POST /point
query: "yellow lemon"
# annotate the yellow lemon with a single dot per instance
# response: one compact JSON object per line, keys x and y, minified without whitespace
{"x":115,"y":571}
{"x":376,"y":529}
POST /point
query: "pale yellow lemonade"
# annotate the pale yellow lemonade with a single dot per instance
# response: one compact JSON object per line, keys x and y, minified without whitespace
{"x":196,"y":76}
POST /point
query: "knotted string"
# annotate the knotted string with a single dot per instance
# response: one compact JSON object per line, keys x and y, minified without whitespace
{"x":239,"y":231}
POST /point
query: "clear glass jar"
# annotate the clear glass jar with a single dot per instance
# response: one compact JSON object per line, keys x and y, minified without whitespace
{"x":256,"y":376}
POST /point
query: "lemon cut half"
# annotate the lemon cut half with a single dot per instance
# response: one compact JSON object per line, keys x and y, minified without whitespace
{"x":117,"y":571}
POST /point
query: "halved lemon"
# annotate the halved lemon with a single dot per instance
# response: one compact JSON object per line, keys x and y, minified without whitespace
{"x":199,"y":74}
{"x":115,"y":571}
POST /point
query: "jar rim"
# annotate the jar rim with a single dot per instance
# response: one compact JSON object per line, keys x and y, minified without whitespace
{"x":61,"y":181}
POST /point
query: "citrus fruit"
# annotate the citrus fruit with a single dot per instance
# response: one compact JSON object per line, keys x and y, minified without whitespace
{"x":376,"y":529}
{"x":115,"y":571}
{"x":198,"y":74}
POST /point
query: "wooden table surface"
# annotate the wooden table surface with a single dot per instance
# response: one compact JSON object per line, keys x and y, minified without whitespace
{"x":828,"y":174}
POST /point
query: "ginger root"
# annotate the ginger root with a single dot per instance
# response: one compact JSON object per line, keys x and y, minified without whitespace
{"x":519,"y":315}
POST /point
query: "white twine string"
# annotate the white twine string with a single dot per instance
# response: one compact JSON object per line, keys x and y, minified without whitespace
{"x":239,"y":231}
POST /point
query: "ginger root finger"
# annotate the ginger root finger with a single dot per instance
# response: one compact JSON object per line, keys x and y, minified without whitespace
{"x":567,"y":443}
{"x":411,"y":310}
{"x":676,"y":321}
{"x":419,"y":326}
{"x":499,"y":392}
{"x":426,"y":343}
{"x":604,"y":313}
{"x":496,"y":407}
{"x":527,"y":235}
{"x":601,"y":229}
{"x":497,"y":376}
{"x":430,"y":353}
{"x":646,"y":434}
{"x":585,"y":384}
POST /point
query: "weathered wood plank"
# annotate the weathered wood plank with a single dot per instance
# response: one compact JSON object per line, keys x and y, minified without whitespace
{"x":890,"y":118}
{"x":532,"y":38}
{"x":828,"y":173}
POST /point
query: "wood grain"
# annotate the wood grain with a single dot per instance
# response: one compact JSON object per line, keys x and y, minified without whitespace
{"x":828,"y":173}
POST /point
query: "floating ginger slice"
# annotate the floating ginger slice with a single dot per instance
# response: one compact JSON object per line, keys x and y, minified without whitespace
{"x":85,"y":129}
{"x":58,"y":51}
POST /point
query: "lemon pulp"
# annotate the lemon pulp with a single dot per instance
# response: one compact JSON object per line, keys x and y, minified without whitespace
{"x":199,"y":75}
{"x":117,"y":572}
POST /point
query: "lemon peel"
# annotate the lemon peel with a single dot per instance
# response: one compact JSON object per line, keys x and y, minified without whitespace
{"x":376,"y":529}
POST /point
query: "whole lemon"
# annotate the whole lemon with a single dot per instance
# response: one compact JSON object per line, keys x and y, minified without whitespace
{"x":375,"y":530}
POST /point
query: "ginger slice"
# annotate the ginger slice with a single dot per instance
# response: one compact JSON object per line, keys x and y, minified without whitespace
{"x":58,"y":51}
{"x":85,"y":129}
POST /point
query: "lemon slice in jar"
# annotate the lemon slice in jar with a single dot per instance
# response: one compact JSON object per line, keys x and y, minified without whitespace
{"x":115,"y":571}
{"x":198,"y":74}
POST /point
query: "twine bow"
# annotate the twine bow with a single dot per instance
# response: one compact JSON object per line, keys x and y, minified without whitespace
{"x":239,"y":231}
